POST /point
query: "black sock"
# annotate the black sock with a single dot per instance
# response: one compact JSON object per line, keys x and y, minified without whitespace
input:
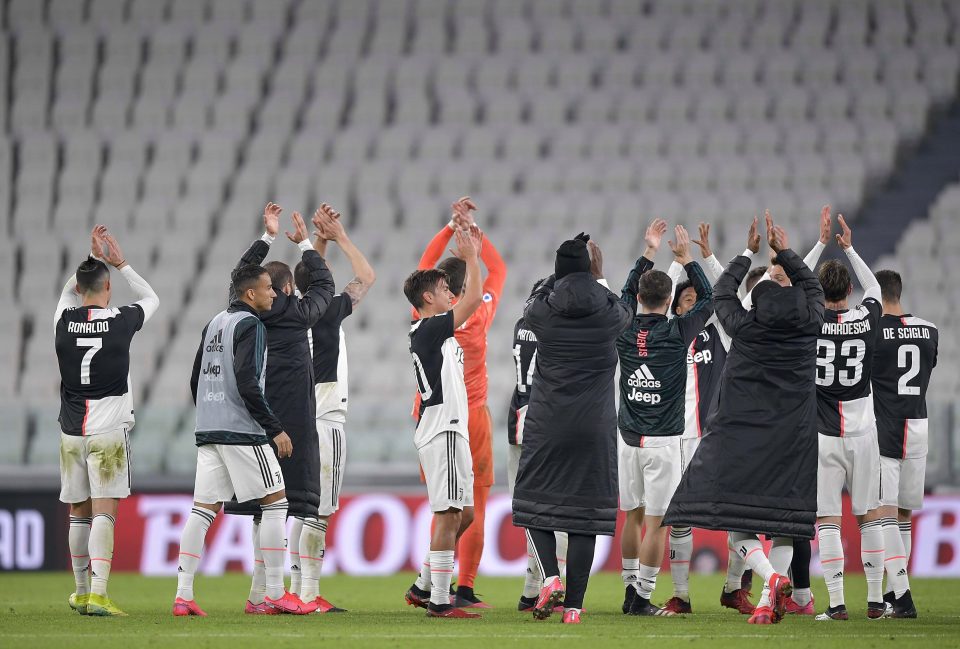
{"x":580,"y":550}
{"x":800,"y":564}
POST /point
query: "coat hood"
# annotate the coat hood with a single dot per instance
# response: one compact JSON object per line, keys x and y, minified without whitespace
{"x":577,"y":295}
{"x":782,"y":308}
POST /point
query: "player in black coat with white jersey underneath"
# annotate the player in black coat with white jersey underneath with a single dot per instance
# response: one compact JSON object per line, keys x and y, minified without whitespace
{"x":96,"y":412}
{"x":753,"y":472}
{"x":902,"y":364}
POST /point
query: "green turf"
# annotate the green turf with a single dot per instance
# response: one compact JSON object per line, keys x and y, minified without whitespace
{"x":34,"y":615}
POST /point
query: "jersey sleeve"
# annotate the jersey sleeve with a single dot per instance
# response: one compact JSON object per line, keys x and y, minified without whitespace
{"x":341,"y":308}
{"x":496,"y":273}
{"x":436,"y":330}
{"x":133,"y":316}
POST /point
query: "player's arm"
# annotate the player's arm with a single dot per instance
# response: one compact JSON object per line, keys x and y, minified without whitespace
{"x":652,"y":238}
{"x":195,"y":373}
{"x":249,"y":344}
{"x":871,"y":287}
{"x":314,"y":302}
{"x":69,"y":297}
{"x":259,"y":249}
{"x":730,"y":311}
{"x":147,"y":298}
{"x":331,"y":228}
{"x":468,"y":244}
{"x":799,"y":273}
{"x":691,"y":323}
{"x":712,"y":267}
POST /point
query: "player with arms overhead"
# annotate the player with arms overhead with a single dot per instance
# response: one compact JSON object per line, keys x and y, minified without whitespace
{"x":848,"y":451}
{"x":905,"y":356}
{"x":96,"y":412}
{"x":442,"y":437}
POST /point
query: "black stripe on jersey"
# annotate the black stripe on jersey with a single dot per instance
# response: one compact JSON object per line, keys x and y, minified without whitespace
{"x":830,"y":416}
{"x":261,"y":460}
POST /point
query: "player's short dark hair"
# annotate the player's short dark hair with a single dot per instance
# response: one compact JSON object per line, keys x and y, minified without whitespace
{"x":301,"y":277}
{"x":678,"y":291}
{"x":92,"y":275}
{"x":421,"y":281}
{"x":754,"y":276}
{"x":891,"y":285}
{"x":246,"y":277}
{"x":835,"y":280}
{"x":456,"y":270}
{"x":654,"y":288}
{"x":280,"y":273}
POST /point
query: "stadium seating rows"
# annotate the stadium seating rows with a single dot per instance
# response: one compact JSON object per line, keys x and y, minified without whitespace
{"x":174,"y":121}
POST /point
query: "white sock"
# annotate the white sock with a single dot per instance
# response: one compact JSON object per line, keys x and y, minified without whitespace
{"x":802,"y":596}
{"x":273,"y":544}
{"x":831,"y":561}
{"x":871,"y":555}
{"x":101,"y":552}
{"x":258,"y":587}
{"x":533,"y":580}
{"x":424,"y":578}
{"x":735,"y":567}
{"x":441,"y":573}
{"x":313,"y":544}
{"x":191,"y":546}
{"x":906,"y":534}
{"x":630,"y":574}
{"x":78,"y":539}
{"x":295,"y":561}
{"x":895,"y":558}
{"x":750,"y":548}
{"x":781,"y":553}
{"x":681,"y":550}
{"x":647,"y":580}
{"x":562,"y":540}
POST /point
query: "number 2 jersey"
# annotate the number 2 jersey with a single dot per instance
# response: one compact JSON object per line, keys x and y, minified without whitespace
{"x":525,"y":359}
{"x":906,"y":353}
{"x":438,"y":366}
{"x":93,"y":350}
{"x":845,"y":353}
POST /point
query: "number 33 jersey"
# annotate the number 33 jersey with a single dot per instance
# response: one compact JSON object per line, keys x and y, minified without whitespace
{"x":902,"y":364}
{"x":845,"y":351}
{"x":93,"y":350}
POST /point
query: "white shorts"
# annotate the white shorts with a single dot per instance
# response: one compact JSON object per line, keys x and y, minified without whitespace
{"x":688,"y":446}
{"x":448,"y":468}
{"x":225,"y":471}
{"x":649,"y":475}
{"x":513,"y":464}
{"x":333,"y":457}
{"x":851,"y":462}
{"x":901,"y":482}
{"x":95,"y":466}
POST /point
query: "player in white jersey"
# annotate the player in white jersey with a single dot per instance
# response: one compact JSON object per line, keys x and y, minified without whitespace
{"x":329,"y":353}
{"x":905,"y":357}
{"x":442,"y":435}
{"x":96,"y":412}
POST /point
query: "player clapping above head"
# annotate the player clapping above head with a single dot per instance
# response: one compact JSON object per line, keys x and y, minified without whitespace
{"x":902,"y":364}
{"x":96,"y":411}
{"x":442,"y":436}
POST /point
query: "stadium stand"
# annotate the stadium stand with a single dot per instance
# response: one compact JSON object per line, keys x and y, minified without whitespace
{"x":174,"y":121}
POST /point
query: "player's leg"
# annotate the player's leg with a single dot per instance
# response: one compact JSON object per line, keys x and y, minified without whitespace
{"x":75,"y":491}
{"x":749,"y":547}
{"x":470,"y":545}
{"x":734,"y":595}
{"x":532,"y":577}
{"x":333,"y":453}
{"x":630,"y":479}
{"x":108,"y":467}
{"x":781,"y":554}
{"x":801,"y":602}
{"x":912,"y":474}
{"x":258,"y":585}
{"x":552,"y":592}
{"x":580,"y":551}
{"x":681,"y":545}
{"x":864,"y":491}
{"x":895,"y":556}
{"x":293,"y":540}
{"x":562,"y":545}
{"x":662,"y":468}
{"x":831,"y":477}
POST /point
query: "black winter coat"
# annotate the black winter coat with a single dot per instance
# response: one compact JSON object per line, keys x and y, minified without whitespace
{"x":289,"y":381}
{"x":567,"y":479}
{"x":755,"y":470}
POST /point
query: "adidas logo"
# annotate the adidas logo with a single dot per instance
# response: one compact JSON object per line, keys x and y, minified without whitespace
{"x":179,"y":568}
{"x":868,"y":565}
{"x":643,"y":378}
{"x":216,"y":343}
{"x":901,"y":573}
{"x":839,"y":575}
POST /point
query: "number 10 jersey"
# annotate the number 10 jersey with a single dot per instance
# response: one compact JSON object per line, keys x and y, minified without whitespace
{"x":93,"y":350}
{"x":845,"y":352}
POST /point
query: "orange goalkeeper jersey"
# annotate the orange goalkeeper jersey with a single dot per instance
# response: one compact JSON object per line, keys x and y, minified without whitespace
{"x":472,"y":335}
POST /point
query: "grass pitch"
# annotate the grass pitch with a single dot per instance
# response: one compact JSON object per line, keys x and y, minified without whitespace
{"x":34,"y":614}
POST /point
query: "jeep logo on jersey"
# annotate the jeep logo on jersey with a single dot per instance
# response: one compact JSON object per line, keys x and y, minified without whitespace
{"x":213,"y":370}
{"x":705,"y":357}
{"x":216,"y":343}
{"x":643,"y":378}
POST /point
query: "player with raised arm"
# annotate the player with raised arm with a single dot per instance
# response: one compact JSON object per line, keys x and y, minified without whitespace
{"x":653,"y":374}
{"x":329,"y":357}
{"x":442,"y":437}
{"x":904,"y":359}
{"x":472,"y":337}
{"x":234,"y":428}
{"x":96,"y":411}
{"x":849,"y":454}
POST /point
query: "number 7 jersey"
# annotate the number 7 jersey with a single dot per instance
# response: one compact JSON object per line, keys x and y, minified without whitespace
{"x":903,"y":362}
{"x":845,"y":352}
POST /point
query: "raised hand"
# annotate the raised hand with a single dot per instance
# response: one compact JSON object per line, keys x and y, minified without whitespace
{"x":769,"y":219}
{"x":704,"y":240}
{"x":753,"y":237}
{"x":271,"y":218}
{"x":681,"y":247}
{"x":98,"y":248}
{"x":468,"y":243}
{"x":596,"y":259}
{"x":654,"y":235}
{"x":846,"y":239}
{"x":328,"y":223}
{"x":463,"y":209}
{"x":300,"y":232}
{"x":111,"y":250}
{"x":825,"y":225}
{"x":778,"y":239}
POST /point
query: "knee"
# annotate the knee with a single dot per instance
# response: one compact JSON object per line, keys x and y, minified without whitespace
{"x":467,"y":517}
